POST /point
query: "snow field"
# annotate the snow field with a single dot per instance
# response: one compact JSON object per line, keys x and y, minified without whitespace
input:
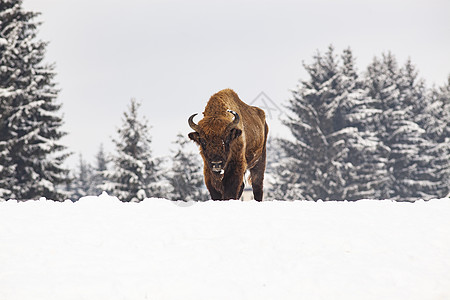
{"x":101,"y":248}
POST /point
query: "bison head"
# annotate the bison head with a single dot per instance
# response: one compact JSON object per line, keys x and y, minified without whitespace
{"x":214,"y":135}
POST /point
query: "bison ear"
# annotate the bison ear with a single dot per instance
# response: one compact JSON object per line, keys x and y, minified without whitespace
{"x":195,"y":137}
{"x":234,"y":134}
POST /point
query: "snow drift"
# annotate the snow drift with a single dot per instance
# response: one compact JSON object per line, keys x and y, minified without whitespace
{"x":100,"y":248}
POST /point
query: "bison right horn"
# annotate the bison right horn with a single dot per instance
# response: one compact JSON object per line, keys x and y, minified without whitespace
{"x":236,"y":119}
{"x":192,"y":123}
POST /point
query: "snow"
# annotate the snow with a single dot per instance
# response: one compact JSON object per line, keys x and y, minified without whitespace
{"x":3,"y":42}
{"x":101,"y":248}
{"x":6,"y":92}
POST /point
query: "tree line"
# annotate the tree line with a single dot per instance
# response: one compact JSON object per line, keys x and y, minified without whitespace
{"x":31,"y":154}
{"x":380,"y":134}
{"x":132,"y":173}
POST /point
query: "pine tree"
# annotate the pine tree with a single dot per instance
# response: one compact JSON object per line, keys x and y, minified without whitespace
{"x":135,"y":173}
{"x":99,"y":171}
{"x":31,"y":156}
{"x":82,"y":183}
{"x":364,"y":163}
{"x":186,"y":176}
{"x":381,"y":84}
{"x":425,"y":172}
{"x":315,"y":167}
{"x":438,"y":130}
{"x":400,"y":128}
{"x":275,"y":186}
{"x":282,"y":172}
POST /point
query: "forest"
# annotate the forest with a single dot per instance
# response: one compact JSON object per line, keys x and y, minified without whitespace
{"x":380,"y":133}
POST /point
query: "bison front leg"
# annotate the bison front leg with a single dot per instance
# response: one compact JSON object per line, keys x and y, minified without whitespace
{"x":213,"y":185}
{"x":213,"y":192}
{"x":233,"y":187}
{"x":233,"y":181}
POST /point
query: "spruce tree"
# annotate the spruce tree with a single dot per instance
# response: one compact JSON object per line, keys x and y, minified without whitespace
{"x":275,"y":185}
{"x":438,"y":130}
{"x":381,"y":136}
{"x":381,"y":84}
{"x":186,"y":176}
{"x":314,"y":166}
{"x":99,"y":171}
{"x":31,"y":155}
{"x":425,"y":175}
{"x":401,"y":99}
{"x":135,"y":172}
{"x":82,"y":183}
{"x":364,"y":163}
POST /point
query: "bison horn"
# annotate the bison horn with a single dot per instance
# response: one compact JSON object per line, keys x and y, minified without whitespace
{"x":192,"y":123}
{"x":236,"y":119}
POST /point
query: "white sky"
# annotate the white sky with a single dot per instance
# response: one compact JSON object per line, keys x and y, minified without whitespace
{"x":173,"y":55}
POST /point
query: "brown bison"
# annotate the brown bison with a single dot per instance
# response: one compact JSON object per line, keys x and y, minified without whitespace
{"x":232,"y":138}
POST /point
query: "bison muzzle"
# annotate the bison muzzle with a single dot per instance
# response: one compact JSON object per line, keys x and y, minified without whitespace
{"x":232,"y":138}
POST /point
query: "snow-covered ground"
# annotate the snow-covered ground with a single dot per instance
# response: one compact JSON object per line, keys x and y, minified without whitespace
{"x":100,"y":248}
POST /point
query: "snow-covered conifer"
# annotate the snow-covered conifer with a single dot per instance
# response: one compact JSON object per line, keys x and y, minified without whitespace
{"x":364,"y":164}
{"x":135,"y":172}
{"x":400,"y":128}
{"x":82,"y":184}
{"x":438,"y":130}
{"x":314,"y":167}
{"x":425,"y":174}
{"x":381,"y":136}
{"x":99,"y":171}
{"x":281,"y":172}
{"x":31,"y":155}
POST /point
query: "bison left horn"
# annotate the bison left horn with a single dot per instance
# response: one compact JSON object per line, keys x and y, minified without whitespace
{"x":236,"y":119}
{"x":192,"y":123}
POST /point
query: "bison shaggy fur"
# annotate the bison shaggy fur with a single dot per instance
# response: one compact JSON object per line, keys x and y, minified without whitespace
{"x":232,"y":139}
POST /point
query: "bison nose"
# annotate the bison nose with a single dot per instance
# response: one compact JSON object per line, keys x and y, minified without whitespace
{"x":217,"y":166}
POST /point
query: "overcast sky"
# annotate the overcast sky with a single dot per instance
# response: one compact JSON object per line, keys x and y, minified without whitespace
{"x":173,"y":55}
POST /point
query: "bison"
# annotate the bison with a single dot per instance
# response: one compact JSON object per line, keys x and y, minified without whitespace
{"x":232,"y":138}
